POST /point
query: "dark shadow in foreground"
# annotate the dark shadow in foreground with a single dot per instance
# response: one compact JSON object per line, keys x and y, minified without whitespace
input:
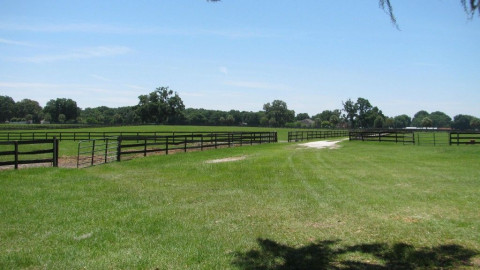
{"x":327,"y":255}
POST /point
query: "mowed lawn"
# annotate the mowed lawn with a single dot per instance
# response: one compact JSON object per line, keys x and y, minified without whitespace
{"x":281,"y":206}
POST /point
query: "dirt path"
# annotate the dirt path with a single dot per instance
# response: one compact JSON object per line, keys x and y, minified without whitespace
{"x":322,"y":144}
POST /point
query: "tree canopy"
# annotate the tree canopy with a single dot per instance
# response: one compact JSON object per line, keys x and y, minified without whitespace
{"x":7,"y":107}
{"x":62,"y":110}
{"x":278,"y":113}
{"x":164,"y":106}
{"x":160,"y":106}
{"x":362,"y":114}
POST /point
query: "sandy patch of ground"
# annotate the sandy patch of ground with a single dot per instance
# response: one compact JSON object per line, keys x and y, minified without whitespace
{"x":230,"y":159}
{"x":322,"y":144}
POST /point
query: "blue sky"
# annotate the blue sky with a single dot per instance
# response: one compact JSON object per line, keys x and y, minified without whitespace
{"x":242,"y":54}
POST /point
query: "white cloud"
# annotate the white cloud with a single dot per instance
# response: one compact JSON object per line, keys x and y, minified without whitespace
{"x":100,"y":78}
{"x":15,"y":42}
{"x":115,"y":29}
{"x":29,"y":85}
{"x":59,"y":28}
{"x":136,"y":87}
{"x":85,"y":53}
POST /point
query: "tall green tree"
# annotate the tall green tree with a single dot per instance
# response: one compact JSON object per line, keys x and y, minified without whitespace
{"x":278,"y":113}
{"x":462,"y":121}
{"x":418,"y":117}
{"x":326,"y":115}
{"x":440,"y":119}
{"x":302,"y":116}
{"x":7,"y":108}
{"x":427,"y":122}
{"x":160,"y":106}
{"x":335,"y":119}
{"x":364,"y":107}
{"x":67,"y":107}
{"x":402,"y":121}
{"x":30,"y":108}
{"x":372,"y":116}
{"x":475,"y":123}
{"x":350,"y":109}
{"x":389,"y":122}
{"x":379,"y":122}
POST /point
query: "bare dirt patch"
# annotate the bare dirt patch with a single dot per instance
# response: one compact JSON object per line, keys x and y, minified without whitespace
{"x":322,"y":144}
{"x":230,"y":159}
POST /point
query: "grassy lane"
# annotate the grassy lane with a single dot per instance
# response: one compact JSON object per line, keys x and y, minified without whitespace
{"x":363,"y":205}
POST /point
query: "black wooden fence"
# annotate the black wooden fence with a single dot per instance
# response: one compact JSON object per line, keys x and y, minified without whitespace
{"x":298,"y":136}
{"x":85,"y":135}
{"x":458,"y":138}
{"x":383,"y":136}
{"x":419,"y":138}
{"x":25,"y":152}
{"x":104,"y":150}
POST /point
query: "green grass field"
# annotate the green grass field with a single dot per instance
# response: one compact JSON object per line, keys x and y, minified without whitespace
{"x":362,"y":206}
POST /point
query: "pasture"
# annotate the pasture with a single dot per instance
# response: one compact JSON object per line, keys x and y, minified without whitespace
{"x":277,"y":206}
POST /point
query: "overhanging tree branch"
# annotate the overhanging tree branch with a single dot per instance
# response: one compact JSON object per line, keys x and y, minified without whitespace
{"x":471,"y":7}
{"x":387,"y":7}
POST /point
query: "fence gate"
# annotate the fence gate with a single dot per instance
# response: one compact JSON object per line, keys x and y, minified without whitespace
{"x":432,"y":138}
{"x":97,"y":151}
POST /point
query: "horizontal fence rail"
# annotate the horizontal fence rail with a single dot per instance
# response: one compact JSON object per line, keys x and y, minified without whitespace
{"x":383,"y":136}
{"x":457,"y":138}
{"x":84,"y":135}
{"x":104,"y":150}
{"x":28,"y":152}
{"x":298,"y":136}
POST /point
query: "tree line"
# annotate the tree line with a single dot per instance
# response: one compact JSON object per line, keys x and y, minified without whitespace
{"x":164,"y":106}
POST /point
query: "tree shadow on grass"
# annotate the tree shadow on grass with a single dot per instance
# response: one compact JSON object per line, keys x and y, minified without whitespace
{"x":328,"y":255}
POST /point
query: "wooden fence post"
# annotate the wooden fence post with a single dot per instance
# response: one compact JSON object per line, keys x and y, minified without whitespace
{"x":106,"y":150}
{"x":119,"y":148}
{"x":55,"y":152}
{"x":145,"y":148}
{"x":185,"y":144}
{"x":16,"y":154}
{"x":166,"y":145}
{"x":93,"y":152}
